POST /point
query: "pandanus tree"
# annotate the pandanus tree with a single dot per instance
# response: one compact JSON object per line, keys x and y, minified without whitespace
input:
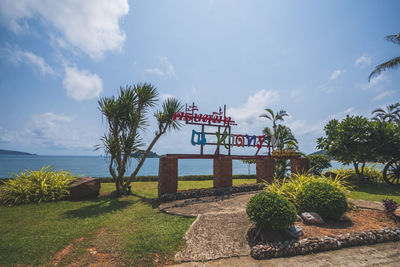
{"x":392,"y":63}
{"x":126,"y":117}
{"x":391,"y":114}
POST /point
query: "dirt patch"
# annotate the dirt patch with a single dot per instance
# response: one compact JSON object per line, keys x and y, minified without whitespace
{"x":59,"y":256}
{"x":361,"y":220}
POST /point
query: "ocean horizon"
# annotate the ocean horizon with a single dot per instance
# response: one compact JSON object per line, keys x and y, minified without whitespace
{"x":97,"y":166}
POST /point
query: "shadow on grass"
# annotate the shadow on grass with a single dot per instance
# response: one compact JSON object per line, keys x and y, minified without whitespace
{"x":153,"y":202}
{"x":380,"y":189}
{"x":99,"y":207}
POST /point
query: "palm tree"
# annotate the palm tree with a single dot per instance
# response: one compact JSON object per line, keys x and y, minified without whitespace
{"x":279,"y":116}
{"x":126,"y":115}
{"x":391,"y":114}
{"x":391,"y":64}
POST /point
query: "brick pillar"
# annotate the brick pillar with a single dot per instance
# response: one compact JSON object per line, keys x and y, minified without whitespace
{"x":167,"y":175}
{"x":265,"y":169}
{"x":298,"y":165}
{"x":222,"y":172}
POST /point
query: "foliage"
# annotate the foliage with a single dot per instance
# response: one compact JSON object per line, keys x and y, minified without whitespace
{"x":271,"y":211}
{"x":392,"y":63}
{"x":322,"y":198}
{"x":289,"y":187}
{"x":390,"y":206}
{"x":127,"y":117}
{"x":391,"y":114}
{"x":318,"y":163}
{"x":180,"y":178}
{"x":35,"y":187}
{"x":372,"y":175}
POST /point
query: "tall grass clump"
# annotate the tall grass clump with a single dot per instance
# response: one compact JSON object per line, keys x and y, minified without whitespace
{"x":36,"y":186}
{"x":289,"y":187}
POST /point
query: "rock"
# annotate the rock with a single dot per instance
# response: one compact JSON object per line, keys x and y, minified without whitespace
{"x":344,"y":218}
{"x":83,"y":188}
{"x":298,"y":218}
{"x":294,"y":232}
{"x":311,"y":218}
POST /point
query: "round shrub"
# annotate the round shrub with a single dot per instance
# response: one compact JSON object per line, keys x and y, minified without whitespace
{"x":325,"y":199}
{"x":271,"y":211}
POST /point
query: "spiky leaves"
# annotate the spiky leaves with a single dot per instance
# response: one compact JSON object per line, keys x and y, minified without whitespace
{"x":391,"y":114}
{"x":390,"y":64}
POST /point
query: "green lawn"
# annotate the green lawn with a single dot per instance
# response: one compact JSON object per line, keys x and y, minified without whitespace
{"x":130,"y":227}
{"x":133,"y":228}
{"x":376,"y":192}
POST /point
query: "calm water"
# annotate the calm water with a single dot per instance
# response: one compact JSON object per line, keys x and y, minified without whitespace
{"x":97,"y":166}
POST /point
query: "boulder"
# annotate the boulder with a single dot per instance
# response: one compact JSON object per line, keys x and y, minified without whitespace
{"x":311,"y":218}
{"x":294,"y":232}
{"x":344,"y":218}
{"x":83,"y":188}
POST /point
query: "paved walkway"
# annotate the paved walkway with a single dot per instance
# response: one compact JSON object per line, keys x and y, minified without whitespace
{"x":220,"y":232}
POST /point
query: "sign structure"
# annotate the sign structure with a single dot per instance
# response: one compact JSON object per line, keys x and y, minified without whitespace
{"x":223,"y":135}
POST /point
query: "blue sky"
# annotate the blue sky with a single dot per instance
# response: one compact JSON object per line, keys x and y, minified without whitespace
{"x":310,"y":58}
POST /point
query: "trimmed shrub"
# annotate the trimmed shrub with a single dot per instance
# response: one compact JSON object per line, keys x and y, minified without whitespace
{"x":271,"y":211}
{"x":322,"y":198}
{"x":35,"y":187}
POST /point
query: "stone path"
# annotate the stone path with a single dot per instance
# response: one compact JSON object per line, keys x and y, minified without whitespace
{"x":220,"y":232}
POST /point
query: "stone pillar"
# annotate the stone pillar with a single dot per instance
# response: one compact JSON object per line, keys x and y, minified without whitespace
{"x":298,"y":165}
{"x":167,"y":175}
{"x":222,"y":171}
{"x":265,"y":169}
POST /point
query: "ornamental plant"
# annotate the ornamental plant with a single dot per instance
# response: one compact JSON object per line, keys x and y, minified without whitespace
{"x":390,"y":206}
{"x":36,"y":186}
{"x":325,"y":199}
{"x":271,"y":211}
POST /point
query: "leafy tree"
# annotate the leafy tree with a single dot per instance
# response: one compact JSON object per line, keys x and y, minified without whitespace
{"x":391,"y":64}
{"x":391,"y":114}
{"x":318,"y":163}
{"x":352,"y":140}
{"x":126,"y":118}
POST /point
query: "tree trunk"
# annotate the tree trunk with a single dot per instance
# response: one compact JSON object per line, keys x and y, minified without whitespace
{"x":357,"y":171}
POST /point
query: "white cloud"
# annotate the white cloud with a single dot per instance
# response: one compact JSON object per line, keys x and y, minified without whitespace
{"x":51,"y":131}
{"x":336,"y":74}
{"x":363,"y":61}
{"x":91,"y":25}
{"x":254,"y":107}
{"x":166,"y":96}
{"x":17,"y":56}
{"x":375,"y":82}
{"x":383,"y":95}
{"x":165,"y":68}
{"x":155,"y":71}
{"x":81,"y":85}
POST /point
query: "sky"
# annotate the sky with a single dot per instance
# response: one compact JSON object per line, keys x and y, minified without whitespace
{"x":310,"y":58}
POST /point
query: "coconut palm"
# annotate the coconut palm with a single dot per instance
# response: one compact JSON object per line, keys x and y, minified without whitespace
{"x":391,"y":64}
{"x":274,"y":117}
{"x":126,"y":115}
{"x":391,"y":114}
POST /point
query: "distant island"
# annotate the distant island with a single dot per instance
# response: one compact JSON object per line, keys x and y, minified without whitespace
{"x":321,"y":152}
{"x":150,"y":155}
{"x":11,"y":152}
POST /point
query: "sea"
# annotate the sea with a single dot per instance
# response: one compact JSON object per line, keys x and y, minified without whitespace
{"x":97,"y":166}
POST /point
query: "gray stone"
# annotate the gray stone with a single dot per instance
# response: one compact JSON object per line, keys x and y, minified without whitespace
{"x":311,"y":218}
{"x":294,"y":232}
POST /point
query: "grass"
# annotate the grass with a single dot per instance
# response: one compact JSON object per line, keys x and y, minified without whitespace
{"x":129,"y":228}
{"x":376,"y":192}
{"x":132,"y":227}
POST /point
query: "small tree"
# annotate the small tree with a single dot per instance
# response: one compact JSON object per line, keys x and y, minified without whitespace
{"x":350,"y":141}
{"x":318,"y":163}
{"x":126,"y":117}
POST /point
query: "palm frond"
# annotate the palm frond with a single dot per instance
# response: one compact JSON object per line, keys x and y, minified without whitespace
{"x":394,"y":38}
{"x":391,"y":64}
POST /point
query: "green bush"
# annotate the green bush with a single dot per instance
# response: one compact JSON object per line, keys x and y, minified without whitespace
{"x":318,"y":163}
{"x":289,"y":187}
{"x":322,"y":198}
{"x":271,"y":211}
{"x":35,"y":187}
{"x":372,"y":175}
